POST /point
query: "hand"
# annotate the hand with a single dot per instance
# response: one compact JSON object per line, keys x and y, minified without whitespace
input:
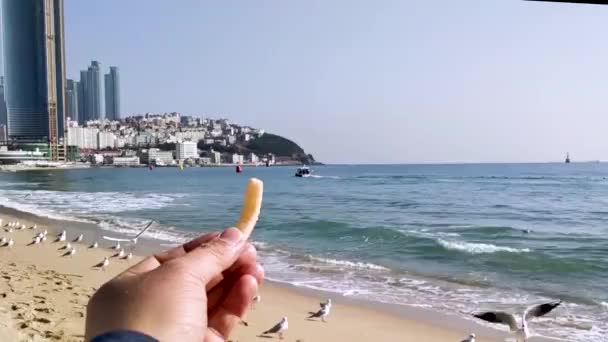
{"x":195,"y":292}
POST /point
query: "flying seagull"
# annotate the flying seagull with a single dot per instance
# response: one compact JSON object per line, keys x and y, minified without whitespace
{"x":279,"y":328}
{"x":322,"y":313}
{"x":521,"y":332}
{"x":132,"y":240}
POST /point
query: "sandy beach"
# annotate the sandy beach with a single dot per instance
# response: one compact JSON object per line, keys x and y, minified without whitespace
{"x":43,"y":297}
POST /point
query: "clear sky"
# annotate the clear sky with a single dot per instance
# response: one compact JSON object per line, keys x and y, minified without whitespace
{"x":366,"y":81}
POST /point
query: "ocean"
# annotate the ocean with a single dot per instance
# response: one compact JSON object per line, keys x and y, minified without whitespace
{"x":455,"y":238}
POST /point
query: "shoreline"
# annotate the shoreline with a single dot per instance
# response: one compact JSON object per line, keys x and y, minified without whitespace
{"x":422,"y":323}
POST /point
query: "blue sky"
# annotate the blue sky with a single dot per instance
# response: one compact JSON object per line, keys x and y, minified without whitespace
{"x":366,"y":81}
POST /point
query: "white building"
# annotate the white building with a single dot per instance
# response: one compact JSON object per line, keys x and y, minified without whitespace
{"x":216,"y":157}
{"x":83,"y":137}
{"x":126,"y":161}
{"x":186,"y":150}
{"x":158,"y":157}
{"x":253,"y":158}
{"x":237,"y":158}
{"x":106,"y":140}
{"x":231,"y":139}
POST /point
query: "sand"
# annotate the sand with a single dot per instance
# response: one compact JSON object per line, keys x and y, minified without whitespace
{"x":43,"y":297}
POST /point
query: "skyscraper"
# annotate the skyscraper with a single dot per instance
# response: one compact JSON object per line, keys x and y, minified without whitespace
{"x":72,"y":101}
{"x":112,"y":83}
{"x":3,"y":109}
{"x":93,"y":89}
{"x":34,"y":66}
{"x":83,"y":109}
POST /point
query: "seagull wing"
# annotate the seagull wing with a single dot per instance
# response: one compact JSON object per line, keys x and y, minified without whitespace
{"x":274,"y":329}
{"x":318,"y":313}
{"x":144,"y":230}
{"x":540,"y":310}
{"x":499,"y":317}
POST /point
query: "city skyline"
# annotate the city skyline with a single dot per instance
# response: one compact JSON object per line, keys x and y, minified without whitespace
{"x":87,"y":99}
{"x":433,"y":80}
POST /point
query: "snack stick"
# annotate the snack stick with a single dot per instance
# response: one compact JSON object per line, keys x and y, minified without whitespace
{"x":251,"y":207}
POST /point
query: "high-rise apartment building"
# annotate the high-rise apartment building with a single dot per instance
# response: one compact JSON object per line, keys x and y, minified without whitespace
{"x":34,"y":69}
{"x":112,"y":90}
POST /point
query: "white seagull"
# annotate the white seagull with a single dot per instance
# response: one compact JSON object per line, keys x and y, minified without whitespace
{"x":34,"y":227}
{"x":3,"y":240}
{"x":67,"y":246}
{"x":79,"y":238}
{"x":62,"y":236}
{"x":120,"y":254}
{"x":471,"y":338}
{"x":10,"y":243}
{"x":70,"y":253}
{"x":94,"y":245}
{"x":322,"y":313}
{"x":22,"y":227}
{"x":116,"y":246}
{"x":103,"y":264}
{"x":45,"y":232}
{"x":327,"y":303}
{"x":128,"y":256}
{"x":521,"y":332}
{"x":279,"y":328}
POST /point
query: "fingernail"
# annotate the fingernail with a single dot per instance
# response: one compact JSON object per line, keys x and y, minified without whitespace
{"x":232,"y":235}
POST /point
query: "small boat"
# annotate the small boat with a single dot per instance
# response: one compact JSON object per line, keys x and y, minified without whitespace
{"x":303,"y":171}
{"x":239,"y":169}
{"x":567,"y":158}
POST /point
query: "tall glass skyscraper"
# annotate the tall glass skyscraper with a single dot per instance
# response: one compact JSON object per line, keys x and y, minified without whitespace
{"x":34,"y":67}
{"x":72,"y":101}
{"x":112,"y":88}
{"x":83,"y":109}
{"x":93,"y":89}
{"x":3,"y":109}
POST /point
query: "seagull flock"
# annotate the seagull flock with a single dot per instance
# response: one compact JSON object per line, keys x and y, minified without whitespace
{"x":69,"y":249}
{"x":520,"y":330}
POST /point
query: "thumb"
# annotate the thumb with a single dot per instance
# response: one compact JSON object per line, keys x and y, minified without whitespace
{"x":211,"y":259}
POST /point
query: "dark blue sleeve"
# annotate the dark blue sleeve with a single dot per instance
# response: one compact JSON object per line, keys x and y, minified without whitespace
{"x":123,"y":336}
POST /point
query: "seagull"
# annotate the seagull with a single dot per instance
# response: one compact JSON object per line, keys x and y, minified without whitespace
{"x":255,"y":301}
{"x":34,"y":227}
{"x":327,"y":303}
{"x":3,"y":240}
{"x":471,"y":338}
{"x":35,"y":241}
{"x":116,"y":246}
{"x":45,"y":232}
{"x":39,"y":235}
{"x":70,"y":253}
{"x":43,"y":238}
{"x":94,"y":245}
{"x":128,"y":256}
{"x":521,"y":332}
{"x":120,"y":254}
{"x":62,"y":236}
{"x":67,"y":246}
{"x":10,"y":243}
{"x":103,"y":264}
{"x":79,"y":238}
{"x":279,"y":328}
{"x":22,"y":227}
{"x":322,"y":313}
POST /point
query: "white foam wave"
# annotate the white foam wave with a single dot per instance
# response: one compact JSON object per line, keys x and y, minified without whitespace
{"x":349,"y":264}
{"x":81,"y":206}
{"x":133,"y":226}
{"x":604,"y":304}
{"x":478,"y":248}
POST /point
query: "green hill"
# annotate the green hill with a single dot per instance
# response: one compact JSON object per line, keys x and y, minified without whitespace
{"x":267,"y":143}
